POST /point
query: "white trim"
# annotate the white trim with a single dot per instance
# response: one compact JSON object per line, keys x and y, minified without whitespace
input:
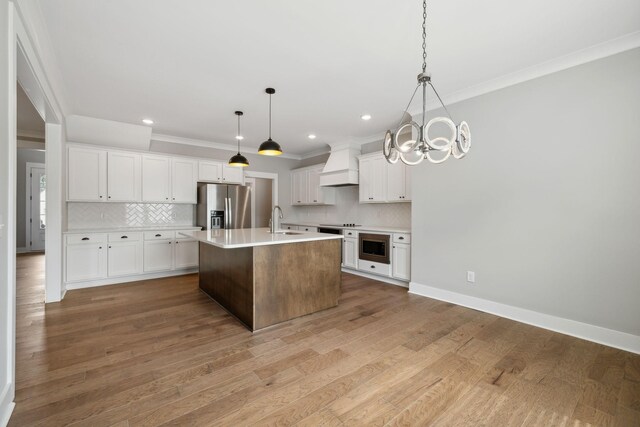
{"x":209,"y":144}
{"x":267,"y":175}
{"x":315,"y":153}
{"x":384,"y":279}
{"x":609,"y":337}
{"x":6,"y":405}
{"x":129,"y":279}
{"x":27,"y":212}
{"x":22,"y":250}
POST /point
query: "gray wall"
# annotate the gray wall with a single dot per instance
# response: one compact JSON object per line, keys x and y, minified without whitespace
{"x":545,"y":208}
{"x":24,"y":156}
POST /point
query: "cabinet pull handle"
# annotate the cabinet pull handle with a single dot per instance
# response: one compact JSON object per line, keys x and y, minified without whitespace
{"x":158,"y":235}
{"x":124,"y":237}
{"x":85,"y":238}
{"x":400,"y":238}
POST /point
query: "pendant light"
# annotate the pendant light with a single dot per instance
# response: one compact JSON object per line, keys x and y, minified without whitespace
{"x":270,"y":147}
{"x":238,"y":159}
{"x":414,"y":150}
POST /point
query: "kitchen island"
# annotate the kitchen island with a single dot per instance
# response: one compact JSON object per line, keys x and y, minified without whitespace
{"x":265,"y":278}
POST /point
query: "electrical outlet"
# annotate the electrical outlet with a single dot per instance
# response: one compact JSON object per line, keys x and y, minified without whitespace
{"x":471,"y":276}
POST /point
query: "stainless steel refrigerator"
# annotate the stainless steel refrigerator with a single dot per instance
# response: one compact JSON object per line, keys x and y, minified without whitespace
{"x":223,"y":206}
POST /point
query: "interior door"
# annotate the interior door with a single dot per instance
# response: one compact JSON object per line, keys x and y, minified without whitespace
{"x":38,"y":212}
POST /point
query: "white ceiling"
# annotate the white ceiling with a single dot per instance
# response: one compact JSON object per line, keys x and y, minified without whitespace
{"x":189,"y":64}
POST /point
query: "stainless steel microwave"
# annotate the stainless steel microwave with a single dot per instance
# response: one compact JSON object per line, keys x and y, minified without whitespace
{"x":375,"y":247}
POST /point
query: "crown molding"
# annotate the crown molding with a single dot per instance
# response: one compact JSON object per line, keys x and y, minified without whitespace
{"x":209,"y":144}
{"x":315,"y":153}
{"x":583,"y":56}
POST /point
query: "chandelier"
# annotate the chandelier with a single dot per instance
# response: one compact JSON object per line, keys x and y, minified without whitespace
{"x":419,"y":145}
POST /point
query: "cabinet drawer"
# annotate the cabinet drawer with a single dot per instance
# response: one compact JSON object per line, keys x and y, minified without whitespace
{"x":374,"y":267}
{"x":305,"y":228}
{"x":76,"y":239}
{"x":123,"y":236}
{"x":289,"y":227}
{"x":401,"y":238}
{"x":159,"y":235}
{"x":350,"y":234}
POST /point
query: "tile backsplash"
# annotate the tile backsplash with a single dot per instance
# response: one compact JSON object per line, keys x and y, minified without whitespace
{"x":110,"y":215}
{"x":348,"y":210}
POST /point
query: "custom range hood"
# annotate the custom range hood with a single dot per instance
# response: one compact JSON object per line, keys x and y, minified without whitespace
{"x":341,"y":168}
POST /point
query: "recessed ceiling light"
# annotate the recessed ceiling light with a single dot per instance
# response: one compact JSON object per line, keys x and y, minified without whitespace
{"x":239,"y":137}
{"x":366,"y":117}
{"x":311,"y":136}
{"x":147,"y":121}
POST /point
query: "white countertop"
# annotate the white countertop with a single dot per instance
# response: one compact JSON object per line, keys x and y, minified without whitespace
{"x":380,"y":228}
{"x":248,"y":237}
{"x":131,"y":229}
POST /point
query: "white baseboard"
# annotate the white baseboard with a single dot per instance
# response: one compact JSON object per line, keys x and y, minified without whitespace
{"x":598,"y":334}
{"x":384,"y":279}
{"x":22,"y":250}
{"x":6,"y":405}
{"x":125,"y":279}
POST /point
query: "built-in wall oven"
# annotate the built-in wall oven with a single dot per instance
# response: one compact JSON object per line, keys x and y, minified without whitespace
{"x":374,"y":247}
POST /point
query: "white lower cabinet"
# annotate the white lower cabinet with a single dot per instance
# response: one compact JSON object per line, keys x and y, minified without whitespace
{"x":158,"y":255}
{"x":401,"y":261}
{"x":125,"y":254}
{"x":350,"y":252}
{"x":92,"y":257}
{"x":86,"y":261}
{"x":186,"y":253}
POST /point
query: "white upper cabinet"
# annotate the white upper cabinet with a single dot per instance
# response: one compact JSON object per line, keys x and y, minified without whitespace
{"x":306,"y":189}
{"x":232,"y":174}
{"x":124,"y":171}
{"x":398,"y":183}
{"x":299,"y":183}
{"x":212,"y":171}
{"x":156,"y":179}
{"x":381,"y":182}
{"x":184,"y":181}
{"x":86,"y":175}
{"x":373,"y":179}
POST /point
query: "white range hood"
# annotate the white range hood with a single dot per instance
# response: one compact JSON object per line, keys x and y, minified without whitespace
{"x":342,"y":166}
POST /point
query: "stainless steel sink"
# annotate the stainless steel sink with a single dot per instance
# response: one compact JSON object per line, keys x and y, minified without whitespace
{"x":288,"y":233}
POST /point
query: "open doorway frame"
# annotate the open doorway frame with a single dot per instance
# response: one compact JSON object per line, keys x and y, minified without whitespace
{"x":25,"y":67}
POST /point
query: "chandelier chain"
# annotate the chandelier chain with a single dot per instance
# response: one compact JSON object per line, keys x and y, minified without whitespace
{"x":424,"y":36}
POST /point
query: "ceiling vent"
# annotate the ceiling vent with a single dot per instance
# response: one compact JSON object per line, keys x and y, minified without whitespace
{"x":341,"y":168}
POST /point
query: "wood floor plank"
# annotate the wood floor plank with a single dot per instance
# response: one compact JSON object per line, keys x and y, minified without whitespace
{"x":159,"y":352}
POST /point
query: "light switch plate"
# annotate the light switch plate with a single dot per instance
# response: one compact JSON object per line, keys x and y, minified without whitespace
{"x":471,"y":277}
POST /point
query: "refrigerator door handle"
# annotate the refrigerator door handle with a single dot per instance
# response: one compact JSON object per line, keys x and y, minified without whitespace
{"x":230,"y":213}
{"x":226,"y":213}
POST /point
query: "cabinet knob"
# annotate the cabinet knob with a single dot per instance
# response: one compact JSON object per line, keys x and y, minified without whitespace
{"x":169,"y":242}
{"x":109,"y":197}
{"x":166,"y":198}
{"x":101,"y":197}
{"x":373,"y":266}
{"x":99,"y":247}
{"x":109,"y":247}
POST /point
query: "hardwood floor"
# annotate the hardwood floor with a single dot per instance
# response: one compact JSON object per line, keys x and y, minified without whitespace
{"x":161,"y":353}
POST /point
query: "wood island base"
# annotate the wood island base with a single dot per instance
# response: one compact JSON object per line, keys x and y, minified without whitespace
{"x":265,"y":285}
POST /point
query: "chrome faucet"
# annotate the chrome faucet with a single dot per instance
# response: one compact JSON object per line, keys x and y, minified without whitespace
{"x":273,"y":223}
